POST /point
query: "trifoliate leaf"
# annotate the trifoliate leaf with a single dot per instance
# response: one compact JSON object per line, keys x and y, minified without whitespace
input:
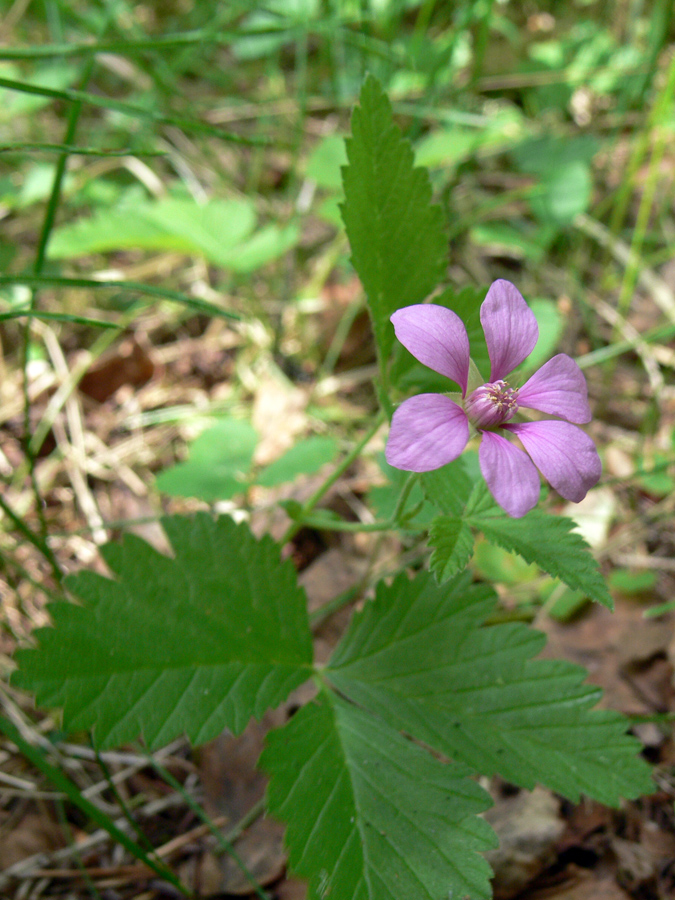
{"x":191,"y":643}
{"x":452,"y":540}
{"x":549,"y":542}
{"x":372,"y":816}
{"x":396,"y":234}
{"x":420,"y":657}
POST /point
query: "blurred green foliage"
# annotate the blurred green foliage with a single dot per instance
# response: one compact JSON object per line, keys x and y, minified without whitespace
{"x":216,"y":132}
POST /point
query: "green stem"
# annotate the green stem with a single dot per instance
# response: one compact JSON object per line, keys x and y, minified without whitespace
{"x":37,"y":540}
{"x":45,"y":232}
{"x":403,"y":497}
{"x":296,"y":525}
{"x":324,"y":523}
{"x":224,"y":844}
{"x":327,"y":609}
{"x":663,"y":107}
{"x":36,"y":756}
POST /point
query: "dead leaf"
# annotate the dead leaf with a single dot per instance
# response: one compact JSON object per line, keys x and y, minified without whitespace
{"x":623,"y":653}
{"x":34,"y":833}
{"x":261,"y":849}
{"x":127,"y":363}
{"x":528,"y":826}
{"x":588,"y":887}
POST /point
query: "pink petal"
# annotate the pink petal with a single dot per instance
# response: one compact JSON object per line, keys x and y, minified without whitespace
{"x":510,"y":475}
{"x":435,"y":336}
{"x":564,"y":455}
{"x":510,"y":327}
{"x":558,"y":388}
{"x":427,"y":432}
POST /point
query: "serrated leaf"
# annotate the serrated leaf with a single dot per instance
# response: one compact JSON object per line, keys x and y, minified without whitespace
{"x":452,"y":540}
{"x":396,"y":234}
{"x":371,"y":815}
{"x":191,"y":643}
{"x":449,"y":487}
{"x":217,"y":466}
{"x":420,"y":657}
{"x":550,"y":542}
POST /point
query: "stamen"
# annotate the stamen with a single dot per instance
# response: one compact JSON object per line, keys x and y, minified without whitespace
{"x":492,"y":404}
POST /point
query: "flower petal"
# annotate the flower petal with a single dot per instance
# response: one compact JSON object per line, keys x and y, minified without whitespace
{"x":558,"y":388}
{"x":427,"y":432}
{"x":510,"y":474}
{"x":510,"y":327}
{"x":435,"y":336}
{"x":563,"y":453}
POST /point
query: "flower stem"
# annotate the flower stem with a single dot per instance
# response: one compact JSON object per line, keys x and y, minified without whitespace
{"x":307,"y":507}
{"x":326,"y":523}
{"x":403,"y":498}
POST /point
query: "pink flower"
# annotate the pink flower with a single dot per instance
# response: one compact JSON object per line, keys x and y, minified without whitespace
{"x":430,"y":430}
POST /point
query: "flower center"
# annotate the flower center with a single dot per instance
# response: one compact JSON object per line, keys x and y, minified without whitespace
{"x":492,"y":404}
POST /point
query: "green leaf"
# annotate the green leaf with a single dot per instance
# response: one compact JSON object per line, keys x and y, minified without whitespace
{"x":452,"y":540}
{"x":305,"y":458}
{"x":269,"y":243}
{"x":219,"y":230}
{"x":505,"y":239}
{"x":326,"y":161}
{"x":193,"y":643}
{"x":449,"y":487}
{"x":52,"y":75}
{"x":420,"y":658}
{"x":447,"y":147}
{"x":371,"y":815}
{"x":396,"y":234}
{"x":629,"y":582}
{"x":218,"y":465}
{"x":564,"y":194}
{"x":550,"y":542}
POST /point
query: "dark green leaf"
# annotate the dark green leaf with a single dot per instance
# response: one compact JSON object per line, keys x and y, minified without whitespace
{"x":420,"y":657}
{"x":193,"y":643}
{"x":550,"y":542}
{"x":371,"y":815}
{"x":449,"y":487}
{"x":396,"y":234}
{"x":452,"y":542}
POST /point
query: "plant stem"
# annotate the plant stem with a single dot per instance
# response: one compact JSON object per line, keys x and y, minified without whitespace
{"x":322,"y":523}
{"x":296,"y":525}
{"x":45,"y":232}
{"x":403,"y":497}
{"x":37,"y":540}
